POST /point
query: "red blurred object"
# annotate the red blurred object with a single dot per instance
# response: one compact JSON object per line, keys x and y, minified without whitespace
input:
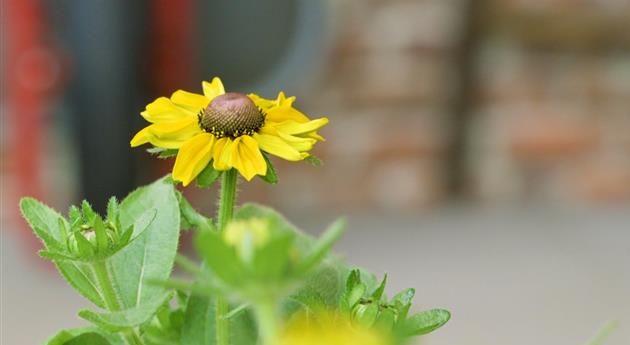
{"x":173,"y":52}
{"x":32,"y":70}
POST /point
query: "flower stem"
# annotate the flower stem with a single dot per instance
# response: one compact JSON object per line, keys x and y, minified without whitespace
{"x":110,"y":298}
{"x":267,"y":317}
{"x":227,"y":199}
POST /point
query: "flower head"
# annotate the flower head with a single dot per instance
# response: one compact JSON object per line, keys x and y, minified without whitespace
{"x":229,"y":130}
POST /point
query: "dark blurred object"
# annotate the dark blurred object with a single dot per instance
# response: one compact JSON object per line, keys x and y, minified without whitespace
{"x":107,"y":41}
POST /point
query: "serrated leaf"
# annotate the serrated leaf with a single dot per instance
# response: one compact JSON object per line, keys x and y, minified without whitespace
{"x":88,"y":212}
{"x":54,"y":255}
{"x":43,"y":220}
{"x":45,"y":223}
{"x":271,"y":176}
{"x":208,"y":176}
{"x":112,"y":209}
{"x":85,"y":336}
{"x":119,"y":320}
{"x":425,"y":322}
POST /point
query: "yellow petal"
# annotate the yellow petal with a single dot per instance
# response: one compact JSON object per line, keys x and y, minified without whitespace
{"x":285,"y":113}
{"x":142,"y":137}
{"x":213,"y":89}
{"x":191,"y":101}
{"x":263,"y":103}
{"x":278,"y":147}
{"x":282,"y":100}
{"x":246,"y":157}
{"x":296,"y":128}
{"x":163,"y":110}
{"x":221,"y":154}
{"x":298,"y":143}
{"x":193,"y":157}
{"x":172,"y":135}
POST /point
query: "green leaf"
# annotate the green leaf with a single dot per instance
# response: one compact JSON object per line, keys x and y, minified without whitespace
{"x":272,"y":260}
{"x":208,"y":176}
{"x":314,"y":160}
{"x":86,"y":249}
{"x":119,"y":320}
{"x":153,"y":211}
{"x":85,"y":336}
{"x":378,"y":293}
{"x":44,"y":221}
{"x":323,"y":245}
{"x":425,"y":322}
{"x":215,"y":253}
{"x":402,"y":302}
{"x":162,"y":152}
{"x":271,"y":176}
{"x":88,"y":212}
{"x":276,"y":220}
{"x":112,"y":209}
{"x":320,"y":289}
{"x":199,"y":324}
{"x":193,"y":217}
{"x":102,"y":241}
{"x":366,"y":314}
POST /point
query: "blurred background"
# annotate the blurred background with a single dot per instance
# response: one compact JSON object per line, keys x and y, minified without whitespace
{"x":481,"y":148}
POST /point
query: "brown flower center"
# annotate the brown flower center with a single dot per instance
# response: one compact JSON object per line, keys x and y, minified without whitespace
{"x":231,"y":115}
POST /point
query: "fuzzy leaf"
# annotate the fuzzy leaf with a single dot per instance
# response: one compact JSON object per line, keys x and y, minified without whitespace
{"x":153,"y":211}
{"x":112,"y":209}
{"x":45,"y":223}
{"x":425,"y":322}
{"x":208,"y":176}
{"x":192,"y":217}
{"x":119,"y":320}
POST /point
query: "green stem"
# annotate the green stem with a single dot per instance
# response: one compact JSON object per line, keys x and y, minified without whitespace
{"x":227,"y":200}
{"x":110,"y":298}
{"x":267,"y":317}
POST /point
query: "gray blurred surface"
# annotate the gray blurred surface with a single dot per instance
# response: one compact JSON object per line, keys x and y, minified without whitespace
{"x":512,"y":276}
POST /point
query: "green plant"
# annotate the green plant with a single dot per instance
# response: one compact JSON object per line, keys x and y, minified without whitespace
{"x":259,"y":274}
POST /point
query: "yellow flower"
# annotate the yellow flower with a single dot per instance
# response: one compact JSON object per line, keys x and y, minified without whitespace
{"x":329,"y":328}
{"x":228,"y":129}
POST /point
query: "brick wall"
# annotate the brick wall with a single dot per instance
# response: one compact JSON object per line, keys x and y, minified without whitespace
{"x":550,"y":119}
